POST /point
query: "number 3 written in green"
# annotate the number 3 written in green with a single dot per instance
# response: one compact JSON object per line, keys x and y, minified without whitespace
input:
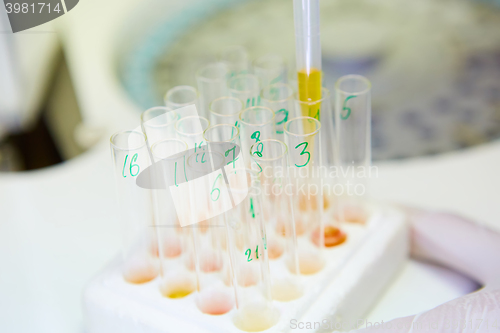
{"x":132,"y":165}
{"x":302,"y":153}
{"x":345,"y":108}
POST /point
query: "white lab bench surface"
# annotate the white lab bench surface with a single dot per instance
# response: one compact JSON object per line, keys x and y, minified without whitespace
{"x":58,"y":229}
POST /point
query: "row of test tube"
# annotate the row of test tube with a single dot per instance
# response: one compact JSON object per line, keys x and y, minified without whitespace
{"x":265,"y":148}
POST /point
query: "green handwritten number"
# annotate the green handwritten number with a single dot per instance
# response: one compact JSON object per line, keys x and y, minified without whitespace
{"x":316,"y":116}
{"x":265,"y":241}
{"x":285,"y":119}
{"x":251,"y":101}
{"x":234,"y":153}
{"x":131,"y":166}
{"x":199,"y":146}
{"x":251,"y":208}
{"x":215,"y":189}
{"x":124,"y":164}
{"x":202,"y":157}
{"x":302,"y":153}
{"x":257,"y":252}
{"x":346,"y":108}
{"x":256,"y":136}
{"x":248,"y":253}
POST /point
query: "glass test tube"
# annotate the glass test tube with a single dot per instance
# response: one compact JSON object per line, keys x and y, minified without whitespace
{"x":256,"y":124}
{"x":279,"y":98}
{"x":175,"y":244}
{"x":237,"y":59}
{"x":278,"y":211}
{"x":308,"y":49}
{"x":181,"y":96}
{"x":225,"y":110}
{"x":225,"y":139}
{"x":248,"y":251}
{"x":270,"y":69}
{"x":158,"y":123}
{"x":322,"y":111}
{"x":353,"y":129}
{"x":246,"y":88}
{"x":302,"y":136}
{"x":130,"y":157}
{"x":190,"y":130}
{"x":212,"y":83}
{"x":212,"y":261}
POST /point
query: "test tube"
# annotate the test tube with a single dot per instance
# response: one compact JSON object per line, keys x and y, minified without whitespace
{"x":225,"y":139}
{"x":130,"y":157}
{"x":212,"y":261}
{"x":175,"y":246}
{"x":256,"y":124}
{"x":302,"y":135}
{"x":236,"y":58}
{"x":322,"y":111}
{"x":279,"y":98}
{"x":278,"y":212}
{"x":158,"y":123}
{"x":190,"y":130}
{"x":353,"y":129}
{"x":270,"y":69}
{"x":212,"y":83}
{"x":308,"y":49}
{"x":181,"y":96}
{"x":248,"y":251}
{"x":225,"y":110}
{"x":246,"y":88}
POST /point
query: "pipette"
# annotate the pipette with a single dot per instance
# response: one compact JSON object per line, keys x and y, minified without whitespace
{"x":308,"y":51}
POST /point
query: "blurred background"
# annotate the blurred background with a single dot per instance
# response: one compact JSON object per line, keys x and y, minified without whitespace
{"x":67,"y":85}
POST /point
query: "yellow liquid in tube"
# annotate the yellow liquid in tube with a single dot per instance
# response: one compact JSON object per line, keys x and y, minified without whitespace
{"x":309,"y":85}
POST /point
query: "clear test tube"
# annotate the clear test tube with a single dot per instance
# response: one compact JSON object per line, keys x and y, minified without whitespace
{"x":279,"y":98}
{"x":308,"y":49}
{"x":270,"y":69}
{"x":225,"y":110}
{"x":249,"y":259}
{"x":130,"y":157}
{"x":212,"y":84}
{"x":322,"y":111}
{"x":256,"y":124}
{"x":353,"y":130}
{"x":236,"y":58}
{"x":279,"y":218}
{"x":246,"y":88}
{"x":212,"y":261}
{"x":302,"y":136}
{"x":225,"y":139}
{"x":175,"y":246}
{"x":158,"y":123}
{"x":181,"y":96}
{"x":190,"y":130}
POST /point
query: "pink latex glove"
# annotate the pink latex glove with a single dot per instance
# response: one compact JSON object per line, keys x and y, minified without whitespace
{"x":468,"y":248}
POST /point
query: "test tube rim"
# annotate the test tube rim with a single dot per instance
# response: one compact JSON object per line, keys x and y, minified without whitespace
{"x":117,"y":147}
{"x":221,"y":114}
{"x":273,"y":55}
{"x":325,"y":94}
{"x":292,"y":95}
{"x":221,"y":125}
{"x":175,"y":89}
{"x":166,"y":108}
{"x":261,"y":159}
{"x":353,"y":76}
{"x":257,"y":125}
{"x":199,"y":76}
{"x":318,"y":123}
{"x":162,"y":141}
{"x":238,"y":77}
{"x":190,"y":134}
